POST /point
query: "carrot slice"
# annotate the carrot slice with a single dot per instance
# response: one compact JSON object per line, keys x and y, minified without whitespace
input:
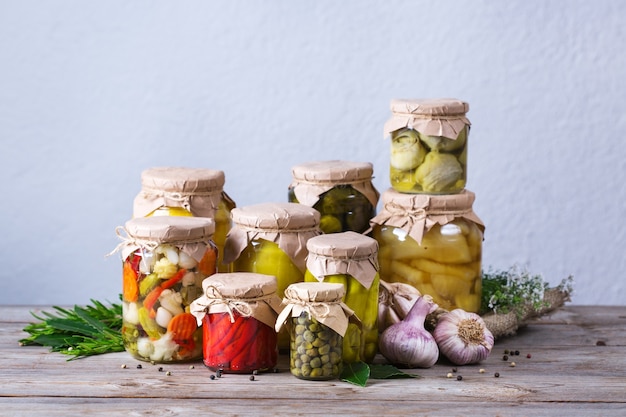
{"x":208,"y":263}
{"x":130,"y":287}
{"x":182,"y":326}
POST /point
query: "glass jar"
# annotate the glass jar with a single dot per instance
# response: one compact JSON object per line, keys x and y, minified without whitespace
{"x":341,"y":191}
{"x":350,"y":259}
{"x":317,"y":321}
{"x":174,"y":191}
{"x":165,"y":260}
{"x":238,"y":312}
{"x":428,"y":145}
{"x":433,"y":243}
{"x":270,"y":238}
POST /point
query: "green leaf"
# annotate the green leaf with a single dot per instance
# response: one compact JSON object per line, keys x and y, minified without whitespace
{"x":356,"y":373}
{"x":388,"y":372}
{"x":75,"y":327}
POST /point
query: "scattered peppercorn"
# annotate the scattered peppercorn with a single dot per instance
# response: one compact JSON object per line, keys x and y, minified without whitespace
{"x":512,"y":365}
{"x":600,"y":343}
{"x":481,"y":370}
{"x":152,"y":362}
{"x":505,"y":358}
{"x":449,"y":375}
{"x":139,"y":366}
{"x":497,"y":374}
{"x":160,"y":369}
{"x":529,"y":356}
{"x":212,"y":376}
{"x":255,"y":372}
{"x":454,"y":369}
{"x":459,"y":377}
{"x":506,"y":351}
{"x":168,"y":373}
{"x":124,"y":366}
{"x":251,"y":377}
{"x":191,"y":367}
{"x":517,"y":353}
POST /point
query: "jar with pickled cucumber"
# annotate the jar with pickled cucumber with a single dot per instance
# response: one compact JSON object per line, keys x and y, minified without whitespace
{"x":317,"y":320}
{"x":428,"y":145}
{"x":350,"y":259}
{"x":165,"y":260}
{"x":180,"y":191}
{"x":433,"y":243}
{"x":238,"y":312}
{"x":342,"y":191}
{"x":270,"y":238}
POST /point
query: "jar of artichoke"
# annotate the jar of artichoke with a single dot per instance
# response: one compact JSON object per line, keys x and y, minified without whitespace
{"x":238,"y":312}
{"x":428,"y":145}
{"x":270,"y":238}
{"x":165,"y":260}
{"x":317,"y":320}
{"x":179,"y":191}
{"x":350,"y":259}
{"x":342,"y":191}
{"x":434,"y":243}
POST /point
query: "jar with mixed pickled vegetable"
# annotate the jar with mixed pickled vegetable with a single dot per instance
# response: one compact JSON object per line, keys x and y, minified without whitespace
{"x":179,"y":191}
{"x":270,"y":238}
{"x":350,"y":259}
{"x":165,"y":260}
{"x":238,"y":312}
{"x":317,"y":320}
{"x":341,"y":191}
{"x":428,"y":145}
{"x":433,"y":243}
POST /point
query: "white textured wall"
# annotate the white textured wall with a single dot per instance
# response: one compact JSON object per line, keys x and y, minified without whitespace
{"x":92,"y":93}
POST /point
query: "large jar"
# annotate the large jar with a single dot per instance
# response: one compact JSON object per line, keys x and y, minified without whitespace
{"x":350,"y":259}
{"x":165,"y":260}
{"x":238,"y":312}
{"x":176,"y":191}
{"x":317,"y":320}
{"x":270,"y":238}
{"x":341,"y":191}
{"x":428,"y":145}
{"x":433,"y":243}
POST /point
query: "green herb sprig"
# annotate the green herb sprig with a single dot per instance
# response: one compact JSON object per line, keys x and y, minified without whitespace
{"x":78,"y":332}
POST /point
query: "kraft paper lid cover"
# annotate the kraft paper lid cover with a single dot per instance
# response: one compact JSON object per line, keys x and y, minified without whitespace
{"x":343,"y":253}
{"x":312,"y":179}
{"x":245,"y":293}
{"x":433,"y":117}
{"x":418,"y":213}
{"x":289,"y":225}
{"x":197,"y":190}
{"x":321,"y":300}
{"x":192,"y":235}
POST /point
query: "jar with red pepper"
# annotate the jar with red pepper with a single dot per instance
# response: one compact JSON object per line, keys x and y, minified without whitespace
{"x":165,"y":260}
{"x":238,"y":312}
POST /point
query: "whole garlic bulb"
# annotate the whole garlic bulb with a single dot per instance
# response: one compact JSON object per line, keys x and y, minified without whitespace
{"x":463,"y":337}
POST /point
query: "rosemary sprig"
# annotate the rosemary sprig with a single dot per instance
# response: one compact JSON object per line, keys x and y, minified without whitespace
{"x":81,"y":331}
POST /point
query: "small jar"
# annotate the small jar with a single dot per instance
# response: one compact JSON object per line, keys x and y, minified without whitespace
{"x":165,"y":260}
{"x":433,"y":243}
{"x":428,"y":145}
{"x":238,"y":312}
{"x":317,"y":321}
{"x":341,"y":191}
{"x":350,"y":259}
{"x":175,"y":191}
{"x":270,"y":238}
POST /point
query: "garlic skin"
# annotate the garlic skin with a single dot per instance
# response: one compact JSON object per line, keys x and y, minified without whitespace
{"x":407,"y":343}
{"x":395,"y":299}
{"x":463,"y":337}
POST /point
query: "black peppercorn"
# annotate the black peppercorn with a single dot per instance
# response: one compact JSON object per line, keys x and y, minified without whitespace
{"x":139,"y":366}
{"x":497,"y":374}
{"x":459,"y":378}
{"x":212,"y":377}
{"x":251,"y":377}
{"x":505,"y":358}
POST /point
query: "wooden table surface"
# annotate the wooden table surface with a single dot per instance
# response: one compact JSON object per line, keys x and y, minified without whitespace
{"x":577,"y":368}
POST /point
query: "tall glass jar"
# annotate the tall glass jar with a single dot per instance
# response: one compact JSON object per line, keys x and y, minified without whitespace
{"x":341,"y":191}
{"x":428,"y":145}
{"x":238,"y":312}
{"x":165,"y":260}
{"x":270,"y":238}
{"x":350,"y":259}
{"x":317,"y":320}
{"x":433,"y":243}
{"x":179,"y":191}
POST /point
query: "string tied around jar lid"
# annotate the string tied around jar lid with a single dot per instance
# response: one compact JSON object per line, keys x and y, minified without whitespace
{"x":241,"y":306}
{"x":181,"y":197}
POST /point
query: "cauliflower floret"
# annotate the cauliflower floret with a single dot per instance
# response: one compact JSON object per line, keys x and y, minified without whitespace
{"x":171,"y":301}
{"x":164,"y":348}
{"x":130,"y":312}
{"x":164,"y":268}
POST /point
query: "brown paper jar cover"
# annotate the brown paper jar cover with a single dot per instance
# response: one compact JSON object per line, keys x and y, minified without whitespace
{"x":418,"y":213}
{"x":192,"y":235}
{"x":197,"y":190}
{"x":249,"y":294}
{"x":289,"y":225}
{"x":312,"y":179}
{"x":320,"y":299}
{"x":433,"y":117}
{"x":343,"y":253}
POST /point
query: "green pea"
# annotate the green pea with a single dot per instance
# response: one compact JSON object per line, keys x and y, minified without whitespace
{"x":316,"y":362}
